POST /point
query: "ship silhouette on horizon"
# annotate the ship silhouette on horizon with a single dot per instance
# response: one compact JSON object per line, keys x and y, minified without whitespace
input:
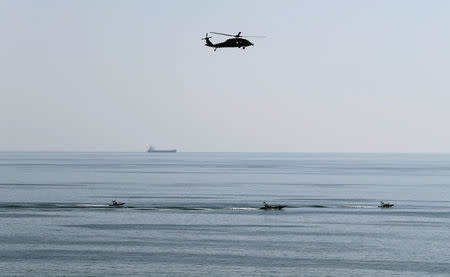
{"x":152,"y":149}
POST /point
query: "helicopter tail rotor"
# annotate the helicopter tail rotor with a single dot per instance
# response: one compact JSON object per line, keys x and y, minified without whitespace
{"x":208,"y":42}
{"x":206,"y":37}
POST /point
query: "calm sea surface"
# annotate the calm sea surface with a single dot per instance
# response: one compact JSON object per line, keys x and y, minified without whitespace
{"x":197,"y":214}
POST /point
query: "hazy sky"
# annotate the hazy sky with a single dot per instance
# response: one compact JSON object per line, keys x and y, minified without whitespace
{"x":339,"y":76}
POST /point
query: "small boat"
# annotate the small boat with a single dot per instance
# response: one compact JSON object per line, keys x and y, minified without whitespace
{"x":385,"y":205}
{"x":115,"y":203}
{"x":272,"y":207}
{"x":153,"y":150}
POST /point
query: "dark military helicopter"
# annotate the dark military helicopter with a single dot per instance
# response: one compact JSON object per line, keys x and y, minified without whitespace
{"x":237,"y":41}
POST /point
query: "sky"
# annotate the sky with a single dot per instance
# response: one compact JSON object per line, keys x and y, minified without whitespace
{"x":330,"y":76}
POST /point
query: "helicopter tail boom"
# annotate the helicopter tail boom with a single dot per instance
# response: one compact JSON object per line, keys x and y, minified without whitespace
{"x":208,"y":42}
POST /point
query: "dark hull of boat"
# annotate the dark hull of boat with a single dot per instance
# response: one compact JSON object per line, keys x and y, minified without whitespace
{"x":276,"y":207}
{"x":386,"y":206}
{"x":116,"y":205}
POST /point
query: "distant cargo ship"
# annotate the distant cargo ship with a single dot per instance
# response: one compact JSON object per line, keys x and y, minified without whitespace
{"x":153,"y":150}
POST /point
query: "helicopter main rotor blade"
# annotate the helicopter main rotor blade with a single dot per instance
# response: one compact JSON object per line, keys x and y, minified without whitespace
{"x":223,"y":34}
{"x":237,"y":36}
{"x":252,"y":36}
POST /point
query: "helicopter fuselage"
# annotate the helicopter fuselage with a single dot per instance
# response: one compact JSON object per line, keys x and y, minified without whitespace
{"x":232,"y":42}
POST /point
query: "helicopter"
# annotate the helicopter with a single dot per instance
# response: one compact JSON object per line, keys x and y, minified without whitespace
{"x":237,"y":41}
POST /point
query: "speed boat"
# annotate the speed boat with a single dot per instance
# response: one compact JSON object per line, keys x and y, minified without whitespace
{"x":115,"y":203}
{"x":272,"y":207}
{"x":385,"y":205}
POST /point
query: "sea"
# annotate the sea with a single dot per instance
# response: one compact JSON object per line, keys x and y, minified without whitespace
{"x":198,"y":214}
